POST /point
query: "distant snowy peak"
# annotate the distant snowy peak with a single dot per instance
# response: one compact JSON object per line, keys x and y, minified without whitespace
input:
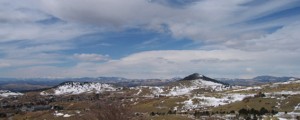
{"x":197,"y":76}
{"x":214,"y":86}
{"x":291,"y":81}
{"x":202,"y":82}
{"x":267,"y":78}
{"x":80,"y":87}
{"x":6,"y":93}
{"x":193,"y":76}
{"x":294,"y":79}
{"x":185,"y":87}
{"x":181,"y":87}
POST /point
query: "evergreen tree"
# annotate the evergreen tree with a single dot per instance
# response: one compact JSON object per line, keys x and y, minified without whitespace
{"x":254,"y":112}
{"x":243,"y":111}
{"x":263,"y":111}
{"x":152,"y":114}
{"x":274,"y":112}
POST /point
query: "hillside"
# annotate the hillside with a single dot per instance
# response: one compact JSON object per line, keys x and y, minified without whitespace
{"x":7,"y":93}
{"x":193,"y":97}
{"x":196,"y":76}
{"x":79,"y":88}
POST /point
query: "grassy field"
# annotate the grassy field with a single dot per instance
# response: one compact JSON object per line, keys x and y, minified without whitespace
{"x":169,"y":117}
{"x":256,"y":103}
{"x":287,"y":104}
{"x":158,"y":104}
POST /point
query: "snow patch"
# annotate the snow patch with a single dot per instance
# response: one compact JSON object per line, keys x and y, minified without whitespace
{"x":248,"y":88}
{"x":78,"y":88}
{"x":180,"y":89}
{"x":58,"y":114}
{"x":67,"y":115}
{"x":196,"y":84}
{"x":297,"y":107}
{"x":288,"y":82}
{"x":283,"y":93}
{"x":139,"y":92}
{"x":6,"y":93}
{"x":204,"y":101}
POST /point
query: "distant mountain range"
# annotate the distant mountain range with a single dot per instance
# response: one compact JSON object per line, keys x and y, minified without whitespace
{"x":259,"y":80}
{"x":190,"y":84}
{"x":28,"y":84}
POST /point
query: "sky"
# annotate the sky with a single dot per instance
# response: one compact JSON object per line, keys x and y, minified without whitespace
{"x":149,"y":38}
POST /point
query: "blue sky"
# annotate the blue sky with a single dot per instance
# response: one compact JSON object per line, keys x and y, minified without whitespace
{"x":149,"y":38}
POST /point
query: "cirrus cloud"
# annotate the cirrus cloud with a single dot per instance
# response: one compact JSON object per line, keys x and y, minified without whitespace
{"x":91,"y":57}
{"x":166,"y":64}
{"x":234,"y":38}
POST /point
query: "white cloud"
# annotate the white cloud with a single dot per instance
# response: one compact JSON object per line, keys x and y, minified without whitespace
{"x":20,"y":21}
{"x":285,"y":39}
{"x":168,"y":64}
{"x":33,"y":60}
{"x":2,"y":65}
{"x":216,"y":63}
{"x":40,"y":33}
{"x":232,"y":47}
{"x":91,"y":57}
{"x":25,"y":41}
{"x":211,"y":21}
{"x":206,"y":20}
{"x":249,"y":70}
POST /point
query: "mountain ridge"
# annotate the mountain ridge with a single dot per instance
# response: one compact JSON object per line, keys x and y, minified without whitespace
{"x":195,"y":76}
{"x":32,"y":84}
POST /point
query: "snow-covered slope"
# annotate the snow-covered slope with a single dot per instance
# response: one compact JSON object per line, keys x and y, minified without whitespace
{"x":185,"y":87}
{"x":205,"y":101}
{"x":291,"y":81}
{"x":78,"y":88}
{"x":6,"y":93}
{"x":179,"y":88}
{"x":197,"y":76}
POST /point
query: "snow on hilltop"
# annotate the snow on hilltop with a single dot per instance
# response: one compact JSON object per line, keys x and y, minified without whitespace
{"x":6,"y":93}
{"x":181,"y":87}
{"x":185,"y":88}
{"x":197,"y":76}
{"x":78,"y":88}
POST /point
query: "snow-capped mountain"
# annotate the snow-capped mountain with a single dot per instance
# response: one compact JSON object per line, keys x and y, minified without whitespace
{"x":194,"y":83}
{"x":6,"y":93}
{"x":259,"y":80}
{"x":267,"y":78}
{"x":197,"y":84}
{"x":197,"y":76}
{"x":80,"y":87}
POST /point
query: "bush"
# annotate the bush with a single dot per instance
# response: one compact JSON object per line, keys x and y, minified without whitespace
{"x":263,"y":111}
{"x":274,"y":112}
{"x":254,"y":112}
{"x":243,"y":111}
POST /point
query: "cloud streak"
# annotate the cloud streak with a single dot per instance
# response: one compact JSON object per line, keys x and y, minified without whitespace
{"x":166,"y":64}
{"x":205,"y":20}
{"x":91,"y":57}
{"x":39,"y":38}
